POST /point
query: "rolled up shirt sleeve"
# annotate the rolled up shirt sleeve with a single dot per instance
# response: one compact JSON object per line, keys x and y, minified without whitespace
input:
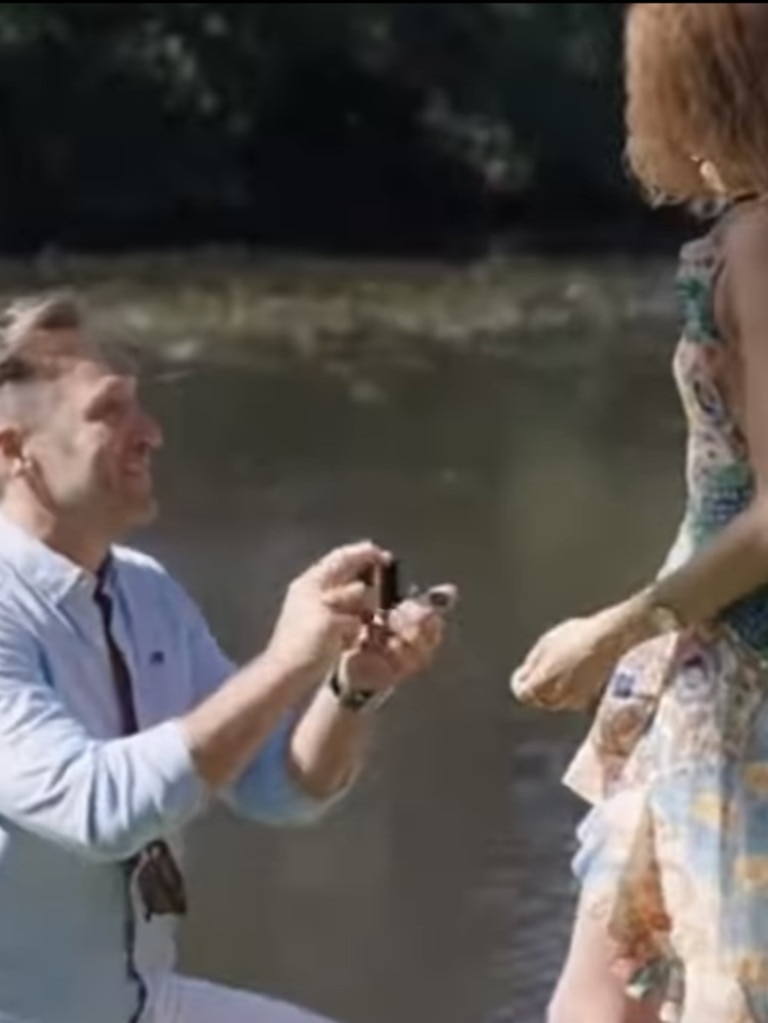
{"x":266,"y":791}
{"x":103,"y":799}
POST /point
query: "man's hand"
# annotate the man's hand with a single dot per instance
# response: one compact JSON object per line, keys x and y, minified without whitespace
{"x":327,"y":744}
{"x":401,"y":644}
{"x":324,"y":610}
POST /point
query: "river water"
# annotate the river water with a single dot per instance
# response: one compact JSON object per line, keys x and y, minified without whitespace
{"x":543,"y":477}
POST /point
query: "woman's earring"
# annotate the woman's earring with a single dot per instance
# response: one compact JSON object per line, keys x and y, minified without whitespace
{"x":711,"y":177}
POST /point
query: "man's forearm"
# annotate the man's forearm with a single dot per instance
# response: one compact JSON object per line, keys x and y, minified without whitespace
{"x":327,"y":746}
{"x":227,"y":730}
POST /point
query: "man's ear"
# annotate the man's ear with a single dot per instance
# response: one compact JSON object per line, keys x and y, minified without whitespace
{"x":12,"y":457}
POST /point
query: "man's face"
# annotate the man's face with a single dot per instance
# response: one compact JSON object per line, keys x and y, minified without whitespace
{"x":93,"y":452}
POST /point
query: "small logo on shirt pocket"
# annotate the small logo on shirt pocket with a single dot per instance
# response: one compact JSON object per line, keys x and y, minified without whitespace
{"x":156,"y":658}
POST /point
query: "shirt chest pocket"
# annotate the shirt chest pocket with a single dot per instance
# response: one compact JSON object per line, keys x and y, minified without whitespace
{"x":160,"y":673}
{"x":85,"y":677}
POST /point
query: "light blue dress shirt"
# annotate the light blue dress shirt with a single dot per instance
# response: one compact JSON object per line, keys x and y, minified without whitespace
{"x":76,"y":799}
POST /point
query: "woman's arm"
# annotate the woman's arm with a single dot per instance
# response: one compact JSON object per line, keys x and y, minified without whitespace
{"x":570,"y":663}
{"x":735,"y":562}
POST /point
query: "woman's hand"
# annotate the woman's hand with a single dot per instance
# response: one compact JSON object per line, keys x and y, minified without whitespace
{"x":569,"y":666}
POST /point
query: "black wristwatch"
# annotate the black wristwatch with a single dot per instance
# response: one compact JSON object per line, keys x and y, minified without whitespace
{"x":358,"y":700}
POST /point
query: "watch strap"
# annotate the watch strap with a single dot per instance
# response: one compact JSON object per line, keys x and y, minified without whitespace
{"x":357,"y":700}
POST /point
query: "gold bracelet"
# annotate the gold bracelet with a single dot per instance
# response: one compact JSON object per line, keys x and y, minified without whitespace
{"x":662,"y":617}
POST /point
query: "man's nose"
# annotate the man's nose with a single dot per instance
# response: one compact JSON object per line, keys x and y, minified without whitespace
{"x":150,"y":430}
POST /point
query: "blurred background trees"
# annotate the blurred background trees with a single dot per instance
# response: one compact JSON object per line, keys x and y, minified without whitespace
{"x":329,"y":126}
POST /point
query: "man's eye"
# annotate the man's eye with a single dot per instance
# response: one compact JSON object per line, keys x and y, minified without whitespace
{"x":110,"y":408}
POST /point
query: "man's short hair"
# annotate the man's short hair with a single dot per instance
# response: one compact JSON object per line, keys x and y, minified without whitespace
{"x":25,"y":324}
{"x":40,"y":333}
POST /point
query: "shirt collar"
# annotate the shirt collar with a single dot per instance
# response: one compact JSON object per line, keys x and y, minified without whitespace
{"x":42,"y":566}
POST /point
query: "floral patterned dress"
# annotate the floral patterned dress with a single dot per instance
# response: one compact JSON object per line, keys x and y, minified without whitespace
{"x":673,"y":855}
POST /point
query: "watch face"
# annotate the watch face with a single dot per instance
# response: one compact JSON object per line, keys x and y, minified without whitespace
{"x":367,"y":700}
{"x":357,"y":698}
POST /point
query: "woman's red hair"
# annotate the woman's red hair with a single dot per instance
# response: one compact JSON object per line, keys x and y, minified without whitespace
{"x":697,"y":89}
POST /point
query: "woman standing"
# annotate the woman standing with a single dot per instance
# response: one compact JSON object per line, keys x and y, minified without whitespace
{"x":673,"y":861}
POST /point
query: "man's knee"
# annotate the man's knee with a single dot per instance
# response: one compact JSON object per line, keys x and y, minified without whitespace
{"x":565,"y":1008}
{"x":598,"y":1003}
{"x":555,"y":1011}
